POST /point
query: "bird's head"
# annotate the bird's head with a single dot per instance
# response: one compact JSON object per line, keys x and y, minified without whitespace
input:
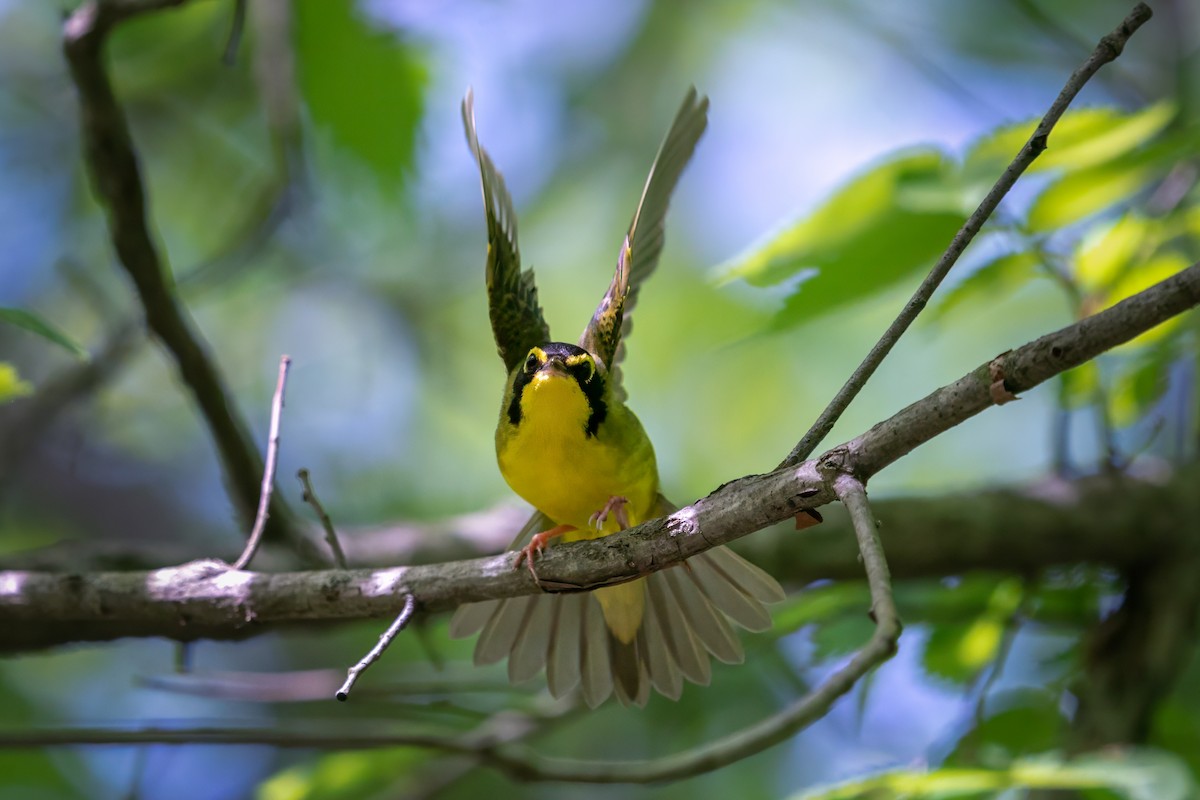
{"x":560,"y":379}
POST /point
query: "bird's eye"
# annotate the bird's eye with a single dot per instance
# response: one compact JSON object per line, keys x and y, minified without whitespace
{"x":584,"y":370}
{"x":532,"y":363}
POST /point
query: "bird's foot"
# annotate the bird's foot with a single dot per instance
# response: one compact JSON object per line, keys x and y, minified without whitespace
{"x":614,"y":506}
{"x":536,"y":545}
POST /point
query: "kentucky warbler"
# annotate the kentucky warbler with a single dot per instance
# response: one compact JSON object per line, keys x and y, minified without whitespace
{"x":567,"y":443}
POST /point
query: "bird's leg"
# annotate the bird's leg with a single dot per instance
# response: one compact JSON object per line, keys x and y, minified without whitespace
{"x":538,"y":543}
{"x":614,"y":506}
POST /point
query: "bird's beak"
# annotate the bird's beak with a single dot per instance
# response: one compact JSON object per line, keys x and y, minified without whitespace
{"x":554,"y":368}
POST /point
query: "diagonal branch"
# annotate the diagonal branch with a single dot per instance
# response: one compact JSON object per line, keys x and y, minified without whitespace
{"x":112,"y":165}
{"x":1106,"y":51}
{"x":204,"y":599}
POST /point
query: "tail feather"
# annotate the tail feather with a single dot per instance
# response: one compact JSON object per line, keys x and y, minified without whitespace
{"x":751,"y":579}
{"x":500,"y":634}
{"x":528,"y":654}
{"x":595,"y":659}
{"x":663,"y":671}
{"x":470,"y":619}
{"x":706,"y":622}
{"x":727,"y":595}
{"x":679,"y":638}
{"x":562,"y":667}
{"x":630,"y":680}
{"x":684,"y":621}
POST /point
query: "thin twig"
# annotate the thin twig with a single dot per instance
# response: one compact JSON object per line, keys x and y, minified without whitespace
{"x":268,"y":479}
{"x":116,"y":179}
{"x":310,"y":497}
{"x":853,"y":495}
{"x":1107,"y":50}
{"x":401,"y":622}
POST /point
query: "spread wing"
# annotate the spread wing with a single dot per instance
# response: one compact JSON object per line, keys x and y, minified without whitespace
{"x":517,"y":321}
{"x":644,"y":242}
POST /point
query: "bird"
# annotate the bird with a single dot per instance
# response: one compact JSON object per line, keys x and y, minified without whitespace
{"x":568,"y":444}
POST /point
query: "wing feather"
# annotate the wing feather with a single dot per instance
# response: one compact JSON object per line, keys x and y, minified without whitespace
{"x":517,"y":321}
{"x":644,"y":242}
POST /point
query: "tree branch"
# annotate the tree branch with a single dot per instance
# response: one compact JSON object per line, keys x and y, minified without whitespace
{"x":116,"y":179}
{"x":528,"y":766}
{"x":1107,"y":50}
{"x":204,"y":599}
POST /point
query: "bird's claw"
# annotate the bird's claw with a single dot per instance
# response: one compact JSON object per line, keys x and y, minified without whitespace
{"x":527,"y":554}
{"x":537,"y":544}
{"x":614,"y":506}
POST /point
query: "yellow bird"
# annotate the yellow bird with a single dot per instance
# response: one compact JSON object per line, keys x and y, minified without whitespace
{"x":567,"y":443}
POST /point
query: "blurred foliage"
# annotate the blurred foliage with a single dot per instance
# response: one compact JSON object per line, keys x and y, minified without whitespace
{"x":1135,"y":775}
{"x":377,"y":122}
{"x":11,"y":385}
{"x":361,"y":253}
{"x":35,"y":324}
{"x":879,"y":229}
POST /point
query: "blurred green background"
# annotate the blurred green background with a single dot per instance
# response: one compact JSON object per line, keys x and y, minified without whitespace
{"x":316,"y":198}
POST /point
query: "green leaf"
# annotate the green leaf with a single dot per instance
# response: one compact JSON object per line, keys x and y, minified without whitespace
{"x":11,"y":385}
{"x":1081,"y":139}
{"x":1021,"y":722}
{"x":1074,"y":603}
{"x":1192,"y":221}
{"x":1134,"y":774}
{"x":841,"y":636}
{"x":361,"y":85}
{"x":884,"y":225}
{"x":1177,"y":729}
{"x":1077,"y":387}
{"x":1106,"y":251}
{"x":1080,"y":194}
{"x":1137,"y":387}
{"x":994,"y":279}
{"x":821,"y":604}
{"x":35,"y":324}
{"x":957,"y":652}
{"x":348,"y":774}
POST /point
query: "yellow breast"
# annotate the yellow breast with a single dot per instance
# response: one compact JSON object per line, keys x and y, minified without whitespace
{"x":550,"y":460}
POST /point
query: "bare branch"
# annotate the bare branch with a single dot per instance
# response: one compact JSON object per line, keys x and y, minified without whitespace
{"x":268,"y":479}
{"x":401,"y":622}
{"x":116,"y":179}
{"x":310,"y":497}
{"x":1106,"y":51}
{"x":205,"y":599}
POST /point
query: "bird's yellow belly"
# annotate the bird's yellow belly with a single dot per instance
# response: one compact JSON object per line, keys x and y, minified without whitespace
{"x":550,"y":460}
{"x":570,"y":477}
